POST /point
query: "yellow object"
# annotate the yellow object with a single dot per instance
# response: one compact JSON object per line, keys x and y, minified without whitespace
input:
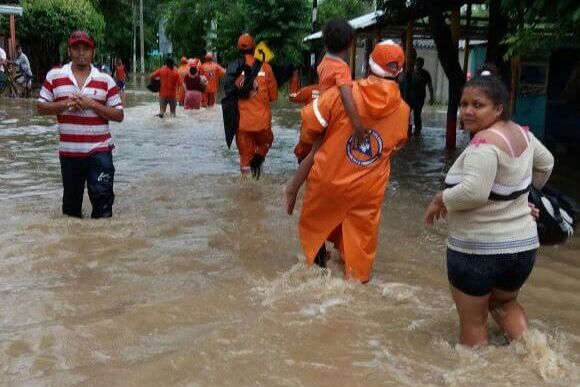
{"x":263,"y":53}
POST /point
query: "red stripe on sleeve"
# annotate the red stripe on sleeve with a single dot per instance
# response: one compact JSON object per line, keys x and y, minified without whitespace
{"x":47,"y":85}
{"x":114,"y":91}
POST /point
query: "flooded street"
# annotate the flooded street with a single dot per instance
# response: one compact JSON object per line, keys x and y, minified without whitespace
{"x":199,"y":280}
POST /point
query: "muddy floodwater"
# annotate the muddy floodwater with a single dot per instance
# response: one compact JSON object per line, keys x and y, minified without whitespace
{"x":199,"y":279}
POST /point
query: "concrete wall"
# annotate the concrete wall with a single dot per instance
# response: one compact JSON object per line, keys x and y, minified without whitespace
{"x":440,"y":81}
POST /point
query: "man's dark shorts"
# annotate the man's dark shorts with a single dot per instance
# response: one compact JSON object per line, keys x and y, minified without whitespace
{"x":172,"y":102}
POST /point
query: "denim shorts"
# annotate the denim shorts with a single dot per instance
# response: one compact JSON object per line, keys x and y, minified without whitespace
{"x":477,"y":275}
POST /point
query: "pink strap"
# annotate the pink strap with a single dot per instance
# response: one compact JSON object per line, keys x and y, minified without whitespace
{"x":503,"y":137}
{"x":525,"y":132}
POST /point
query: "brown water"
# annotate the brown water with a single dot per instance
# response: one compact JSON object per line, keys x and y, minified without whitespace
{"x":199,"y":279}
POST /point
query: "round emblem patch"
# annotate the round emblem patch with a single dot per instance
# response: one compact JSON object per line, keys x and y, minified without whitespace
{"x":366,"y":153}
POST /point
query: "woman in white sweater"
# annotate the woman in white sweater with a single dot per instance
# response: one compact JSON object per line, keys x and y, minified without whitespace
{"x":493,"y":236}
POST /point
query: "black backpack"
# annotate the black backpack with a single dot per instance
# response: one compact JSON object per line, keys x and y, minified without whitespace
{"x":154,"y":85}
{"x":558,"y":215}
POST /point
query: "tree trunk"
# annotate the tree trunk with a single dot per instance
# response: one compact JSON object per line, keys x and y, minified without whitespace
{"x":495,"y":34}
{"x":42,"y":58}
{"x":449,"y":58}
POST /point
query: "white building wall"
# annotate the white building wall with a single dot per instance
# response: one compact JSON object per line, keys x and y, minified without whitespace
{"x":440,"y":81}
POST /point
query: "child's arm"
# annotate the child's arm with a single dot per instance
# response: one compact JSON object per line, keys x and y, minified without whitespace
{"x":360,"y":131}
{"x":315,"y":121}
{"x":292,"y":189}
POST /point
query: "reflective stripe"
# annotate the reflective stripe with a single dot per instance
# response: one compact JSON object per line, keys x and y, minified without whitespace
{"x":262,"y":74}
{"x":521,"y":244}
{"x":381,"y":72}
{"x":319,"y":117}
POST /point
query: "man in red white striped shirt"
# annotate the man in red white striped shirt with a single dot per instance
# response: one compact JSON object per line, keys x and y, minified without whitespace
{"x":84,"y":100}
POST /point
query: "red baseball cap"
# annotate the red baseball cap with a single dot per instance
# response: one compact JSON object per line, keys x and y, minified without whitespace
{"x":77,"y":37}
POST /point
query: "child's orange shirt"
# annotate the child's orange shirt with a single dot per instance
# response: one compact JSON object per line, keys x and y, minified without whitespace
{"x":333,"y":71}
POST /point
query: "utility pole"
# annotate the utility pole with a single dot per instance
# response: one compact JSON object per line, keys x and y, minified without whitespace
{"x":312,"y":53}
{"x":134,"y":16}
{"x":142,"y":37}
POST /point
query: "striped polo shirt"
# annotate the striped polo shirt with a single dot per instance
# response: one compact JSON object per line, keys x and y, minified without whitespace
{"x":82,"y":132}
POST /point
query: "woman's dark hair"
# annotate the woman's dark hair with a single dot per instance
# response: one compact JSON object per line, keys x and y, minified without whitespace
{"x":493,"y":88}
{"x":337,"y":35}
{"x":193,"y":70}
{"x":169,"y":62}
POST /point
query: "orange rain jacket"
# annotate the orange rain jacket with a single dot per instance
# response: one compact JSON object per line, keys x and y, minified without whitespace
{"x":255,"y":113}
{"x":169,"y":79}
{"x":346,"y":184}
{"x":303,"y":95}
{"x":213,"y":72}
{"x":182,"y":70}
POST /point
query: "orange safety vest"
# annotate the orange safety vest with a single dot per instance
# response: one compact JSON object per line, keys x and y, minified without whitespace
{"x":346,"y":184}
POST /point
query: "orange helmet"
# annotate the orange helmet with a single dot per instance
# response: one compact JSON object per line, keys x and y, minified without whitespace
{"x":245,"y":42}
{"x":387,"y":59}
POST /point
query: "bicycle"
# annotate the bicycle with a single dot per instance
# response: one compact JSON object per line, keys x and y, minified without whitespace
{"x":14,"y":83}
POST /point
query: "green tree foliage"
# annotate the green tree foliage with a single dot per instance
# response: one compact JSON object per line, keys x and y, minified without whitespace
{"x":281,"y":23}
{"x":45,"y":26}
{"x":119,"y":16}
{"x":187,"y":23}
{"x":51,"y":21}
{"x":536,"y":26}
{"x":346,"y":9}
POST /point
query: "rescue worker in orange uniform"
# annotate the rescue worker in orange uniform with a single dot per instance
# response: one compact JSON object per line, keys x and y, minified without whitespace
{"x":347,"y":183}
{"x":304,"y":96}
{"x":213,"y":72}
{"x":254,"y":136}
{"x":332,"y":71}
{"x":182,"y":70}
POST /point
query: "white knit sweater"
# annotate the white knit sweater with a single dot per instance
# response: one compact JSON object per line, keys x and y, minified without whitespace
{"x":487,"y":203}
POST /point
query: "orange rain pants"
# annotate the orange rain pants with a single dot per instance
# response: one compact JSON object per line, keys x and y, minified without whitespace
{"x":253,"y":143}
